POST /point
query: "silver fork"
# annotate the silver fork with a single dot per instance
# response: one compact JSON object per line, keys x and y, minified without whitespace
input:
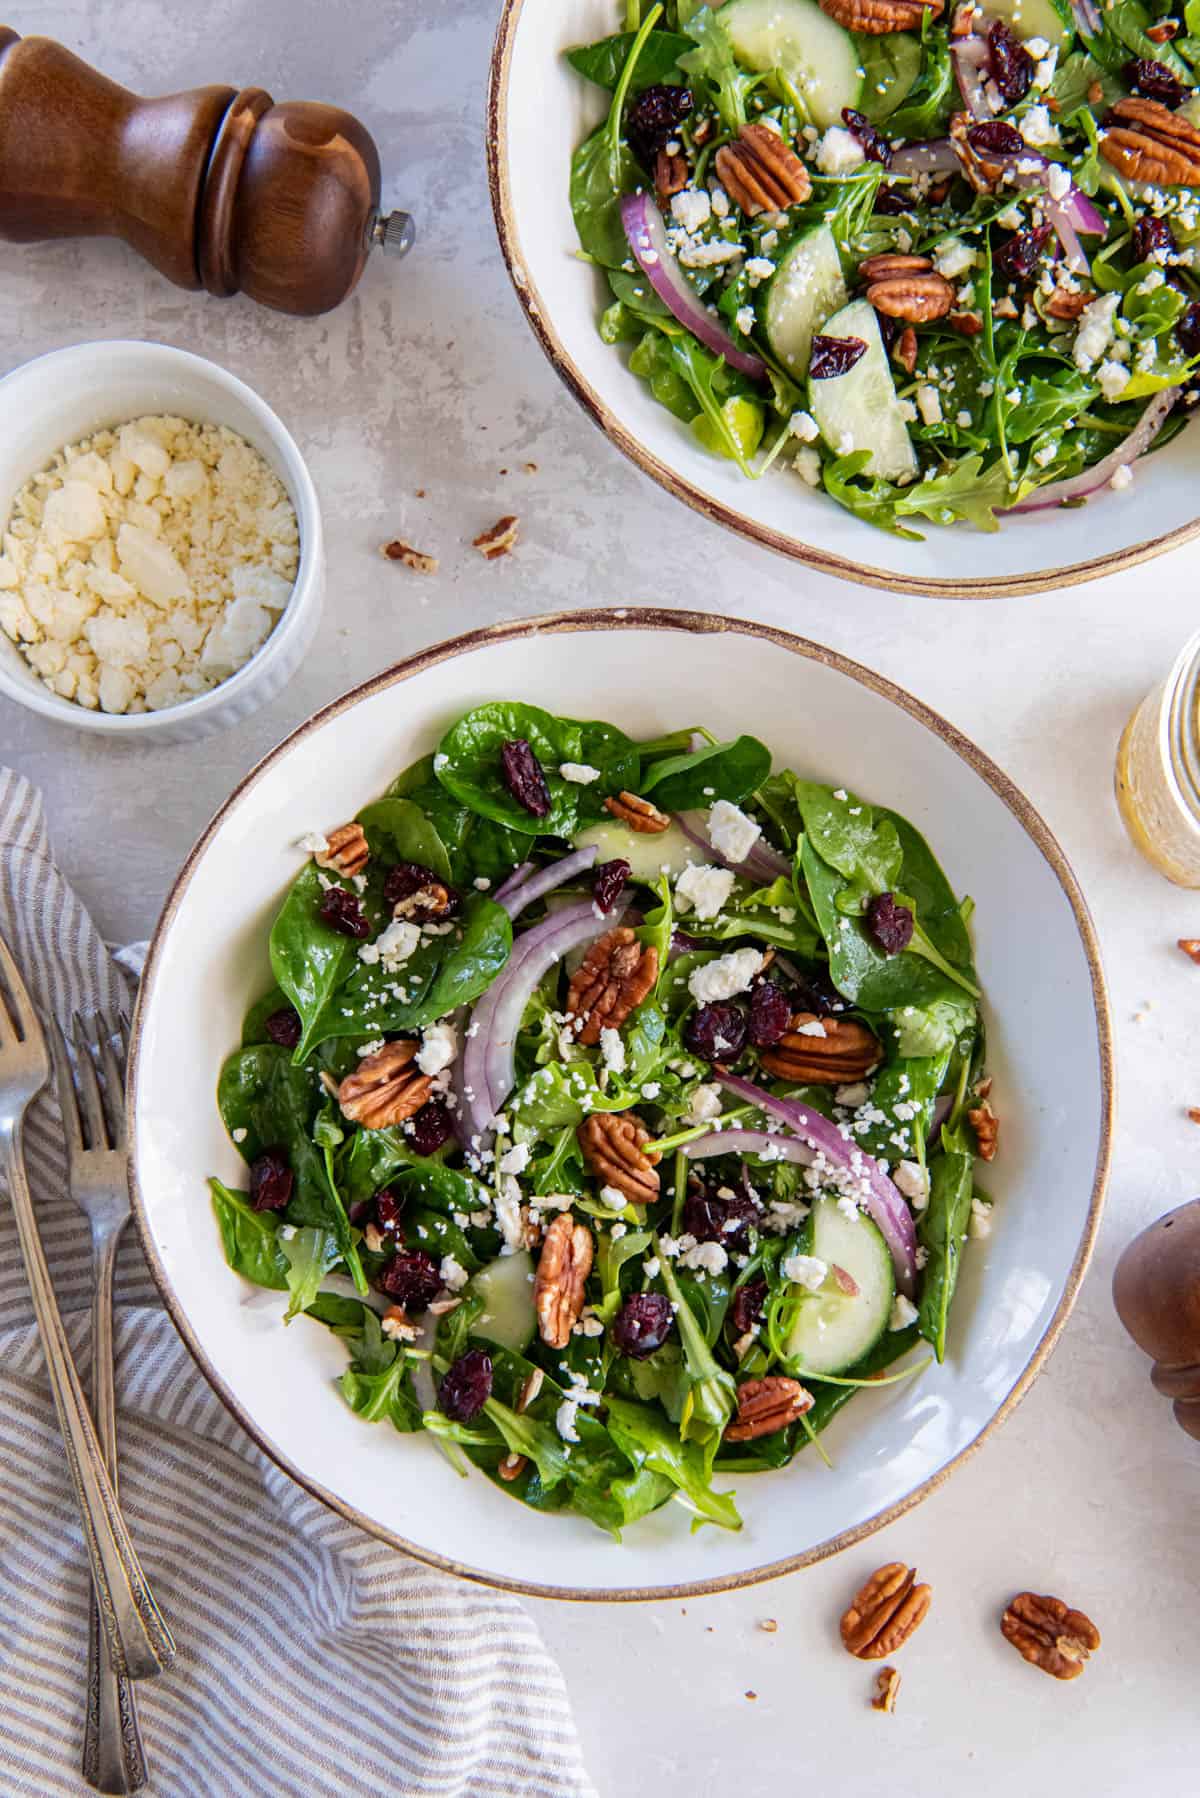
{"x":138,"y":1639}
{"x":93,"y":1115}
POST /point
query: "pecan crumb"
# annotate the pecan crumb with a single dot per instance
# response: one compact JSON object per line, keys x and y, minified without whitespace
{"x":1095,"y":93}
{"x":1191,"y":947}
{"x":416,"y":559}
{"x":499,"y":541}
{"x":531,"y":468}
{"x":1194,"y":1113}
{"x":769,"y":1624}
{"x":986,"y":1126}
{"x":751,"y":1695}
{"x":887,"y":1686}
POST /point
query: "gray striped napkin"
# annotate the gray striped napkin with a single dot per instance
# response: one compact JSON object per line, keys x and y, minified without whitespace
{"x":313,"y":1660}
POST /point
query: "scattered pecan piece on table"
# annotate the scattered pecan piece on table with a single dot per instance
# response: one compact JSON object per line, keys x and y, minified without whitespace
{"x":611,"y":981}
{"x":1191,"y":947}
{"x":874,"y":17}
{"x":768,"y":1405}
{"x":562,"y":1270}
{"x":416,"y":559}
{"x":345,"y":850}
{"x":1047,"y":1633}
{"x":885,"y":1612}
{"x":639,"y":814}
{"x":1146,"y":141}
{"x":842,"y":1054}
{"x":761,"y":173}
{"x":986,"y":1126}
{"x":887,"y":1688}
{"x":499,"y":540}
{"x":612,"y":1143}
{"x":385,"y":1088}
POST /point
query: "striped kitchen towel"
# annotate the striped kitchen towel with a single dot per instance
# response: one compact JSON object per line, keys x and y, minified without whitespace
{"x":313,"y":1659}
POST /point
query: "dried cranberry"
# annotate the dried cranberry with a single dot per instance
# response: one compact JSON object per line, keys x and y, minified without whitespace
{"x":524,"y":778}
{"x":416,"y":893}
{"x":1154,"y":81}
{"x":834,"y":356}
{"x":816,"y":992}
{"x":890,"y":924}
{"x":1017,"y":258}
{"x":466,"y":1386}
{"x":387,"y":1213}
{"x":875,"y":146}
{"x":889,"y":329}
{"x":283,"y":1027}
{"x":343,"y":912}
{"x":891,"y":201}
{"x":1009,"y":63}
{"x":430,"y":1127}
{"x":720,"y":1215}
{"x":271,"y":1181}
{"x":609,"y":884}
{"x":717,"y":1032}
{"x":1188,"y":330}
{"x":411,"y":1277}
{"x":770,"y":1014}
{"x":642,"y":1324}
{"x":652,"y":117}
{"x":1151,"y":236}
{"x":996,"y":138}
{"x":746,"y":1306}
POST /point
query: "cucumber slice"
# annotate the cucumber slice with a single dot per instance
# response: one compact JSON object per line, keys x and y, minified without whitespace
{"x":834,"y":1329}
{"x":647,"y":855}
{"x":809,"y":49}
{"x":1032,"y":18}
{"x":506,"y":1288}
{"x":859,"y":410}
{"x":806,"y":287}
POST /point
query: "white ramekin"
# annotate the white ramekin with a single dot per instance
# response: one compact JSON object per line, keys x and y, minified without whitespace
{"x":64,"y":396}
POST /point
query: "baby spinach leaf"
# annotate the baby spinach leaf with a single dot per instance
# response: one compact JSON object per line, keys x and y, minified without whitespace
{"x":399,"y":831}
{"x":341,"y":1315}
{"x":603,"y":62}
{"x":308,"y":959}
{"x":309,"y":1254}
{"x":472,"y":771}
{"x":651,"y":1442}
{"x":636,"y":295}
{"x":933,"y":1028}
{"x":253,"y":1026}
{"x":713,"y":1390}
{"x":942,"y":1230}
{"x":249,"y":1238}
{"x":612,"y":1254}
{"x":557,"y":1097}
{"x":843,"y":831}
{"x":729,"y":771}
{"x":598,"y":181}
{"x":653,"y":362}
{"x":859,"y":968}
{"x":262,"y":1093}
{"x":443,"y":973}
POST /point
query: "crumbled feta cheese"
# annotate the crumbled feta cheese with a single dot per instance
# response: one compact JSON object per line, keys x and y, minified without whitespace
{"x":743,"y":318}
{"x":1038,"y":128}
{"x":703,"y":888}
{"x":981,"y":1218}
{"x":724,"y":977}
{"x":692,"y":208}
{"x":239,"y":1135}
{"x":516,"y":1159}
{"x":854,"y":1095}
{"x":913,"y":1181}
{"x":731,"y":833}
{"x":1044,"y":456}
{"x":313,"y":844}
{"x":720,"y":200}
{"x":839,"y":152}
{"x":612,"y":1051}
{"x":708,"y":255}
{"x":564,"y":1420}
{"x":1121,"y":477}
{"x":759,"y":268}
{"x":613,"y":1197}
{"x":807,"y":464}
{"x":578,"y":773}
{"x":963,"y":420}
{"x":439,"y":1046}
{"x":453,"y":1274}
{"x":1095,"y":331}
{"x":1058,"y":181}
{"x":929,"y":404}
{"x":952,"y":257}
{"x":804,"y":426}
{"x":1153,"y":279}
{"x":1112,"y":378}
{"x":394,"y":946}
{"x":705,"y":1257}
{"x":808,"y":1271}
{"x":704,"y":1104}
{"x":904,"y":1312}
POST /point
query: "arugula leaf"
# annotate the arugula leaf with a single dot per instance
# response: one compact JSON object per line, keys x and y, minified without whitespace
{"x":603,"y":61}
{"x":965,"y":491}
{"x":933,"y":96}
{"x":651,"y":1443}
{"x":249,"y":1238}
{"x":729,"y":771}
{"x":713,"y":60}
{"x":712,"y":1394}
{"x":309,"y":1254}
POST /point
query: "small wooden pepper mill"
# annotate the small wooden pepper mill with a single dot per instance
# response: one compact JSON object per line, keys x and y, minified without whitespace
{"x":218,"y":188}
{"x":1156,"y":1290}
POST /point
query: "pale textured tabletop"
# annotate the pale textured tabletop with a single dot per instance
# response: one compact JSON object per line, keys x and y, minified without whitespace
{"x":428,"y":378}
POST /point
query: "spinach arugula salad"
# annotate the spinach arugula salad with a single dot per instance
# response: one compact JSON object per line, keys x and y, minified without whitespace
{"x":941,"y":266}
{"x":617,"y":1103}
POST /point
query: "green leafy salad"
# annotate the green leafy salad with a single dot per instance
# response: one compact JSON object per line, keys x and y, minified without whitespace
{"x":941,"y":266}
{"x":617,"y":1103}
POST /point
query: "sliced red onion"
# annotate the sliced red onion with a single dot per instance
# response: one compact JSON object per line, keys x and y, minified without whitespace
{"x":1092,"y":479}
{"x":941,"y":1111}
{"x":970,"y":58}
{"x":937,"y":157}
{"x":750,"y":1142}
{"x":1087,"y":17}
{"x":520,"y":873}
{"x":1067,"y":217}
{"x":488,"y":1072}
{"x":647,"y":236}
{"x":763,"y":863}
{"x":872,"y":1188}
{"x":515,"y":900}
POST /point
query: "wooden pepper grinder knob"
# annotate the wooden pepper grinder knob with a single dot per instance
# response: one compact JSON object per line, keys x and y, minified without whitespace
{"x":1156,"y":1290}
{"x":218,"y":189}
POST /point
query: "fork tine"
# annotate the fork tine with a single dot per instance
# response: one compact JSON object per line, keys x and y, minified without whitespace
{"x":113,"y":1069}
{"x":88,"y":1087}
{"x":67,"y":1102}
{"x":17,"y":1011}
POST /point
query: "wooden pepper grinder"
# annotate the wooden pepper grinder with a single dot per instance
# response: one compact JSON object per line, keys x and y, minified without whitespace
{"x":218,"y":189}
{"x":1156,"y":1290}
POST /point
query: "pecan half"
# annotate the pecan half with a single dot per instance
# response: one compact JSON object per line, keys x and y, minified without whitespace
{"x":904,"y":350}
{"x":611,"y":981}
{"x":1050,"y":1635}
{"x":884,"y":1612}
{"x":385,"y":1088}
{"x":986,"y":1126}
{"x":345,"y":850}
{"x":887,"y":1690}
{"x":612,"y":1145}
{"x":877,"y":16}
{"x":670,"y":174}
{"x":1064,"y":304}
{"x":1144,"y":140}
{"x":890,"y":263}
{"x":761,"y":173}
{"x":841,"y":1053}
{"x":499,"y":540}
{"x":765,"y":1406}
{"x":638,"y":813}
{"x":416,"y":559}
{"x":562,"y":1270}
{"x":917,"y":298}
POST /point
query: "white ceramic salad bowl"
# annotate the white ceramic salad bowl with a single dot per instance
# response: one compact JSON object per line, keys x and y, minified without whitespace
{"x":539,"y":111}
{"x":1049,"y":1048}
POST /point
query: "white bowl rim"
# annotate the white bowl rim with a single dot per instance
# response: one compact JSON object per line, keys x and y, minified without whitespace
{"x":308,"y":515}
{"x":639,"y":618}
{"x":982,"y":586}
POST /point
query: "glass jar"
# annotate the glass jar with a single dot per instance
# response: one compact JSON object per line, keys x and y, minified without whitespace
{"x":1158,"y":772}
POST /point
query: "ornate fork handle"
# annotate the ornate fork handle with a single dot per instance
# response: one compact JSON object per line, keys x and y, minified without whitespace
{"x":140,"y":1644}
